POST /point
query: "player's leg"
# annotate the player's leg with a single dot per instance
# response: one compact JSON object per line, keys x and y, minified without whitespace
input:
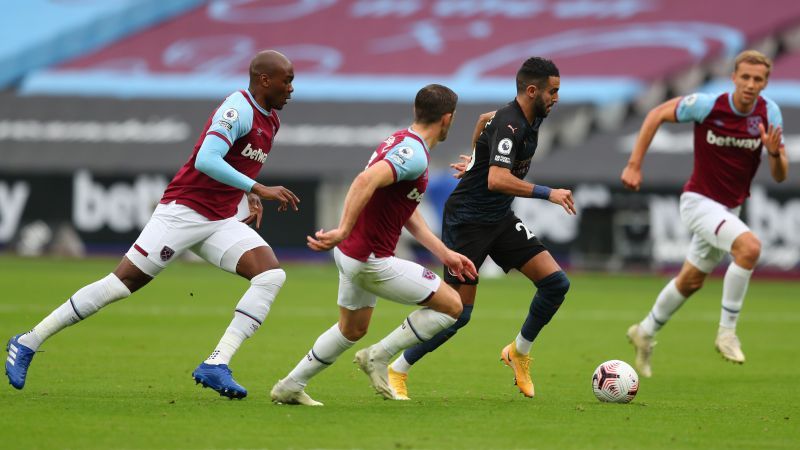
{"x":398,"y":370}
{"x":745,"y":250}
{"x":552,"y":285}
{"x":520,"y":249}
{"x":355,"y":311}
{"x":326,"y":350}
{"x":237,"y":248}
{"x":408,"y":283}
{"x":725,"y":232}
{"x":669,"y":300}
{"x":168,"y":233}
{"x":474,"y":242}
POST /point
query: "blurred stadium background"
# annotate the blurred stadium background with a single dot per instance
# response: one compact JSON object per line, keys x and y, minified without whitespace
{"x":101,"y":102}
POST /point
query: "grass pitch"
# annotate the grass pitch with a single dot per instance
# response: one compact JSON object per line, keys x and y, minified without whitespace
{"x":121,"y":379}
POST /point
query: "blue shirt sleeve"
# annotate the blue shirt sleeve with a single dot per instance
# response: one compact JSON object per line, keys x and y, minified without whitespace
{"x":233,"y":119}
{"x":774,"y":116}
{"x":210,"y":161}
{"x":408,"y":159}
{"x":695,"y":107}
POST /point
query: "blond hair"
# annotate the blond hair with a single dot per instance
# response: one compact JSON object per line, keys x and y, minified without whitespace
{"x":752,"y":57}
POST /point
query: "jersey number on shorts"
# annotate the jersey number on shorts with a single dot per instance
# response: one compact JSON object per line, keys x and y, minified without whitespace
{"x":521,"y":226}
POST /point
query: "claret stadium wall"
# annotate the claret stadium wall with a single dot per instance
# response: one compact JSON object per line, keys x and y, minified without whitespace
{"x":89,"y":138}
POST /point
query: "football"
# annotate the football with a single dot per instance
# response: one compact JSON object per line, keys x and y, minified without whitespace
{"x":615,"y":381}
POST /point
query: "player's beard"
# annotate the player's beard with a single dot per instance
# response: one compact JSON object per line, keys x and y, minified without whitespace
{"x":539,"y":107}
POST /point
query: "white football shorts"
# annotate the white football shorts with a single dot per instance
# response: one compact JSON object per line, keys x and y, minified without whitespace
{"x":174,"y":228}
{"x":714,"y":227}
{"x":395,"y":279}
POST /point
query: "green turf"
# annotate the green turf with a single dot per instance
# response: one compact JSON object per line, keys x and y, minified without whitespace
{"x":122,"y":378}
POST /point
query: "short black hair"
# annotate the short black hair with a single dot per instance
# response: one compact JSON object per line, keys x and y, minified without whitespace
{"x":536,"y":71}
{"x":432,"y":102}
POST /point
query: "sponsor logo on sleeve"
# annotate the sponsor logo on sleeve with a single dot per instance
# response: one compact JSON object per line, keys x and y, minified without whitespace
{"x":397,"y":159}
{"x":504,"y":146}
{"x":231,"y":115}
{"x":502,"y":159}
{"x":225,"y":124}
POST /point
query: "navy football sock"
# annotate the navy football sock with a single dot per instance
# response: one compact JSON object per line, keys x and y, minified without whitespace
{"x":415,"y":353}
{"x":548,"y":298}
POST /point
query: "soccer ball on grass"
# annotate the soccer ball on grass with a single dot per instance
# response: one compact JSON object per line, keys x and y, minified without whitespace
{"x":615,"y":381}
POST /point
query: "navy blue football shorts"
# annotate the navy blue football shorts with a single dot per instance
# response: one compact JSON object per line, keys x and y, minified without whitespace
{"x":509,"y":242}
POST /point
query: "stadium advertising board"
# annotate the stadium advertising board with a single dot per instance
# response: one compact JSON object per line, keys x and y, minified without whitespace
{"x":107,"y":212}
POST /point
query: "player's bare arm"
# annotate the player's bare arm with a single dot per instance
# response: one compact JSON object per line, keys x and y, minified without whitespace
{"x":461,"y":166}
{"x":665,"y":112}
{"x":501,"y":180}
{"x":457,"y":263}
{"x":279,"y":193}
{"x":776,"y":152}
{"x":364,"y":185}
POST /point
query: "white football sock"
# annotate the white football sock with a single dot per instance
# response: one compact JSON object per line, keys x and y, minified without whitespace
{"x":419,"y":326}
{"x":250,"y":313}
{"x":401,"y":365}
{"x":323,"y":353}
{"x":523,"y":345}
{"x":669,"y":300}
{"x":87,"y":301}
{"x":734,"y":288}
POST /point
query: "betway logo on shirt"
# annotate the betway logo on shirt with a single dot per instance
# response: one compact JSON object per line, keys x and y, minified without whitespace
{"x":254,"y":153}
{"x":729,"y":141}
{"x":415,"y":195}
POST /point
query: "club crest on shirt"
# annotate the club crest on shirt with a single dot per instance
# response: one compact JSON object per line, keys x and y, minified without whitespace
{"x":752,"y":125}
{"x":166,"y":253}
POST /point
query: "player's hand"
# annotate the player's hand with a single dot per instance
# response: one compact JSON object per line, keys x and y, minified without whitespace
{"x":771,"y":138}
{"x":325,"y":240}
{"x":256,"y":210}
{"x":631,"y":178}
{"x":461,"y":166}
{"x":459,"y":265}
{"x":284,"y":196}
{"x":563,"y":197}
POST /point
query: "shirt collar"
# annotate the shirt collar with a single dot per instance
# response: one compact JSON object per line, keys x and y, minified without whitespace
{"x":255,"y":103}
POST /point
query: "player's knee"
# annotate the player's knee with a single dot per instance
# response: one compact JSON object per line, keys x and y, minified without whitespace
{"x":354,"y":332}
{"x":446,"y":301}
{"x":264,"y":287}
{"x":688,"y":285}
{"x":747,"y":248}
{"x":554,"y":286}
{"x":453,"y":307}
{"x":89,"y":299}
{"x":270,"y":279}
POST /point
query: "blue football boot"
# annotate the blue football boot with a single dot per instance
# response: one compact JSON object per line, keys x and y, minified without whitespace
{"x":219,"y":378}
{"x":17,"y":362}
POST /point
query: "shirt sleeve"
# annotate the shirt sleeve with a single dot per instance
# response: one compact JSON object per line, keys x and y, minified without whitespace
{"x":774,"y":116}
{"x":233,"y":119}
{"x":502,"y":147}
{"x":408,"y":159}
{"x":210,"y":161}
{"x":695,"y":107}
